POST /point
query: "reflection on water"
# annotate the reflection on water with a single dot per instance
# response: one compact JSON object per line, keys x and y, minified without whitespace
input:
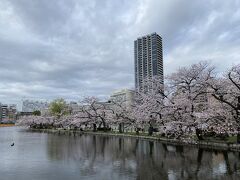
{"x":63,"y":156}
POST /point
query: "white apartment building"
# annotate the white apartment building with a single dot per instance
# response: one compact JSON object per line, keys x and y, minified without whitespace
{"x":124,"y":96}
{"x":30,"y":106}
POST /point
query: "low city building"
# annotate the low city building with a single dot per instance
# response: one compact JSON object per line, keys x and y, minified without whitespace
{"x":8,"y":113}
{"x":74,"y":107}
{"x":25,"y":114}
{"x":30,"y":106}
{"x":4,"y":112}
{"x":12,"y":112}
{"x":124,"y":97}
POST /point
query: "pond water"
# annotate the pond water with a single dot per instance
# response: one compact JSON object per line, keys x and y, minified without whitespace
{"x":43,"y":156}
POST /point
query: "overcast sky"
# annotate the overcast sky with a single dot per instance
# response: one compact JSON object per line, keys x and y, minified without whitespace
{"x":76,"y":48}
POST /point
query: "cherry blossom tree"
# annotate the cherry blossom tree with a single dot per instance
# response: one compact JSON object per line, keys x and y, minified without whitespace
{"x":97,"y":111}
{"x":36,"y":121}
{"x":151,"y":107}
{"x":193,"y":100}
{"x":190,"y":85}
{"x":226,"y":90}
{"x":120,"y":114}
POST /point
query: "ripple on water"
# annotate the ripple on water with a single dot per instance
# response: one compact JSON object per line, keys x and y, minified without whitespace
{"x":51,"y":156}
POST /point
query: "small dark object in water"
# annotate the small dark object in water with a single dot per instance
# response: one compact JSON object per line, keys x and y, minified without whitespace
{"x":12,"y":144}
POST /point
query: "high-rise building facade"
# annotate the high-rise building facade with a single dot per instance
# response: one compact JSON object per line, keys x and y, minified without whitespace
{"x":148,"y":60}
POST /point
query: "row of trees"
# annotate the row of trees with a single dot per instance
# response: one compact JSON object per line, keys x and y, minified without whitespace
{"x":194,"y":100}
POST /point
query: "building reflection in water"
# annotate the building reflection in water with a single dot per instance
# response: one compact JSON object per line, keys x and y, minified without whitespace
{"x":129,"y":158}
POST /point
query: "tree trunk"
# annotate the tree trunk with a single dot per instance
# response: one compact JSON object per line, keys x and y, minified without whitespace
{"x":137,"y":131}
{"x":104,"y":125}
{"x":238,"y":138}
{"x":238,"y":135}
{"x":120,"y":128}
{"x":94,"y":127}
{"x":150,"y":130}
{"x":199,"y":134}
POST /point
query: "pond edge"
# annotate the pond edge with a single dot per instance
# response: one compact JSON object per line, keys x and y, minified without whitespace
{"x":200,"y":144}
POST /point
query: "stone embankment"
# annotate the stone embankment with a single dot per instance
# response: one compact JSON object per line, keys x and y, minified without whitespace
{"x":184,"y":142}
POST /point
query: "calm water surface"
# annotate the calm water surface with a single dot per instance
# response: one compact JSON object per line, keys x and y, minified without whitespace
{"x":42,"y":156}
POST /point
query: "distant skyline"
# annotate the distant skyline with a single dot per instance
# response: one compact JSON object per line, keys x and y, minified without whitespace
{"x":76,"y":48}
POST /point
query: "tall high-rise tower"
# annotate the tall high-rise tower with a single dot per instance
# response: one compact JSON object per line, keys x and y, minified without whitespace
{"x":148,"y":60}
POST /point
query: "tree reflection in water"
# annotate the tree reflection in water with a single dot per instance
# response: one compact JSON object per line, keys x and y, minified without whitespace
{"x":129,"y":158}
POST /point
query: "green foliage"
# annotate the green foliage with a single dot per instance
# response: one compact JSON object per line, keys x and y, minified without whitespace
{"x":58,"y":107}
{"x":37,"y":113}
{"x":232,"y":139}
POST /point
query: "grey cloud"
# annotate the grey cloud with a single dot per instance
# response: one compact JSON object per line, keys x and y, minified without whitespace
{"x":71,"y":48}
{"x":196,"y":30}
